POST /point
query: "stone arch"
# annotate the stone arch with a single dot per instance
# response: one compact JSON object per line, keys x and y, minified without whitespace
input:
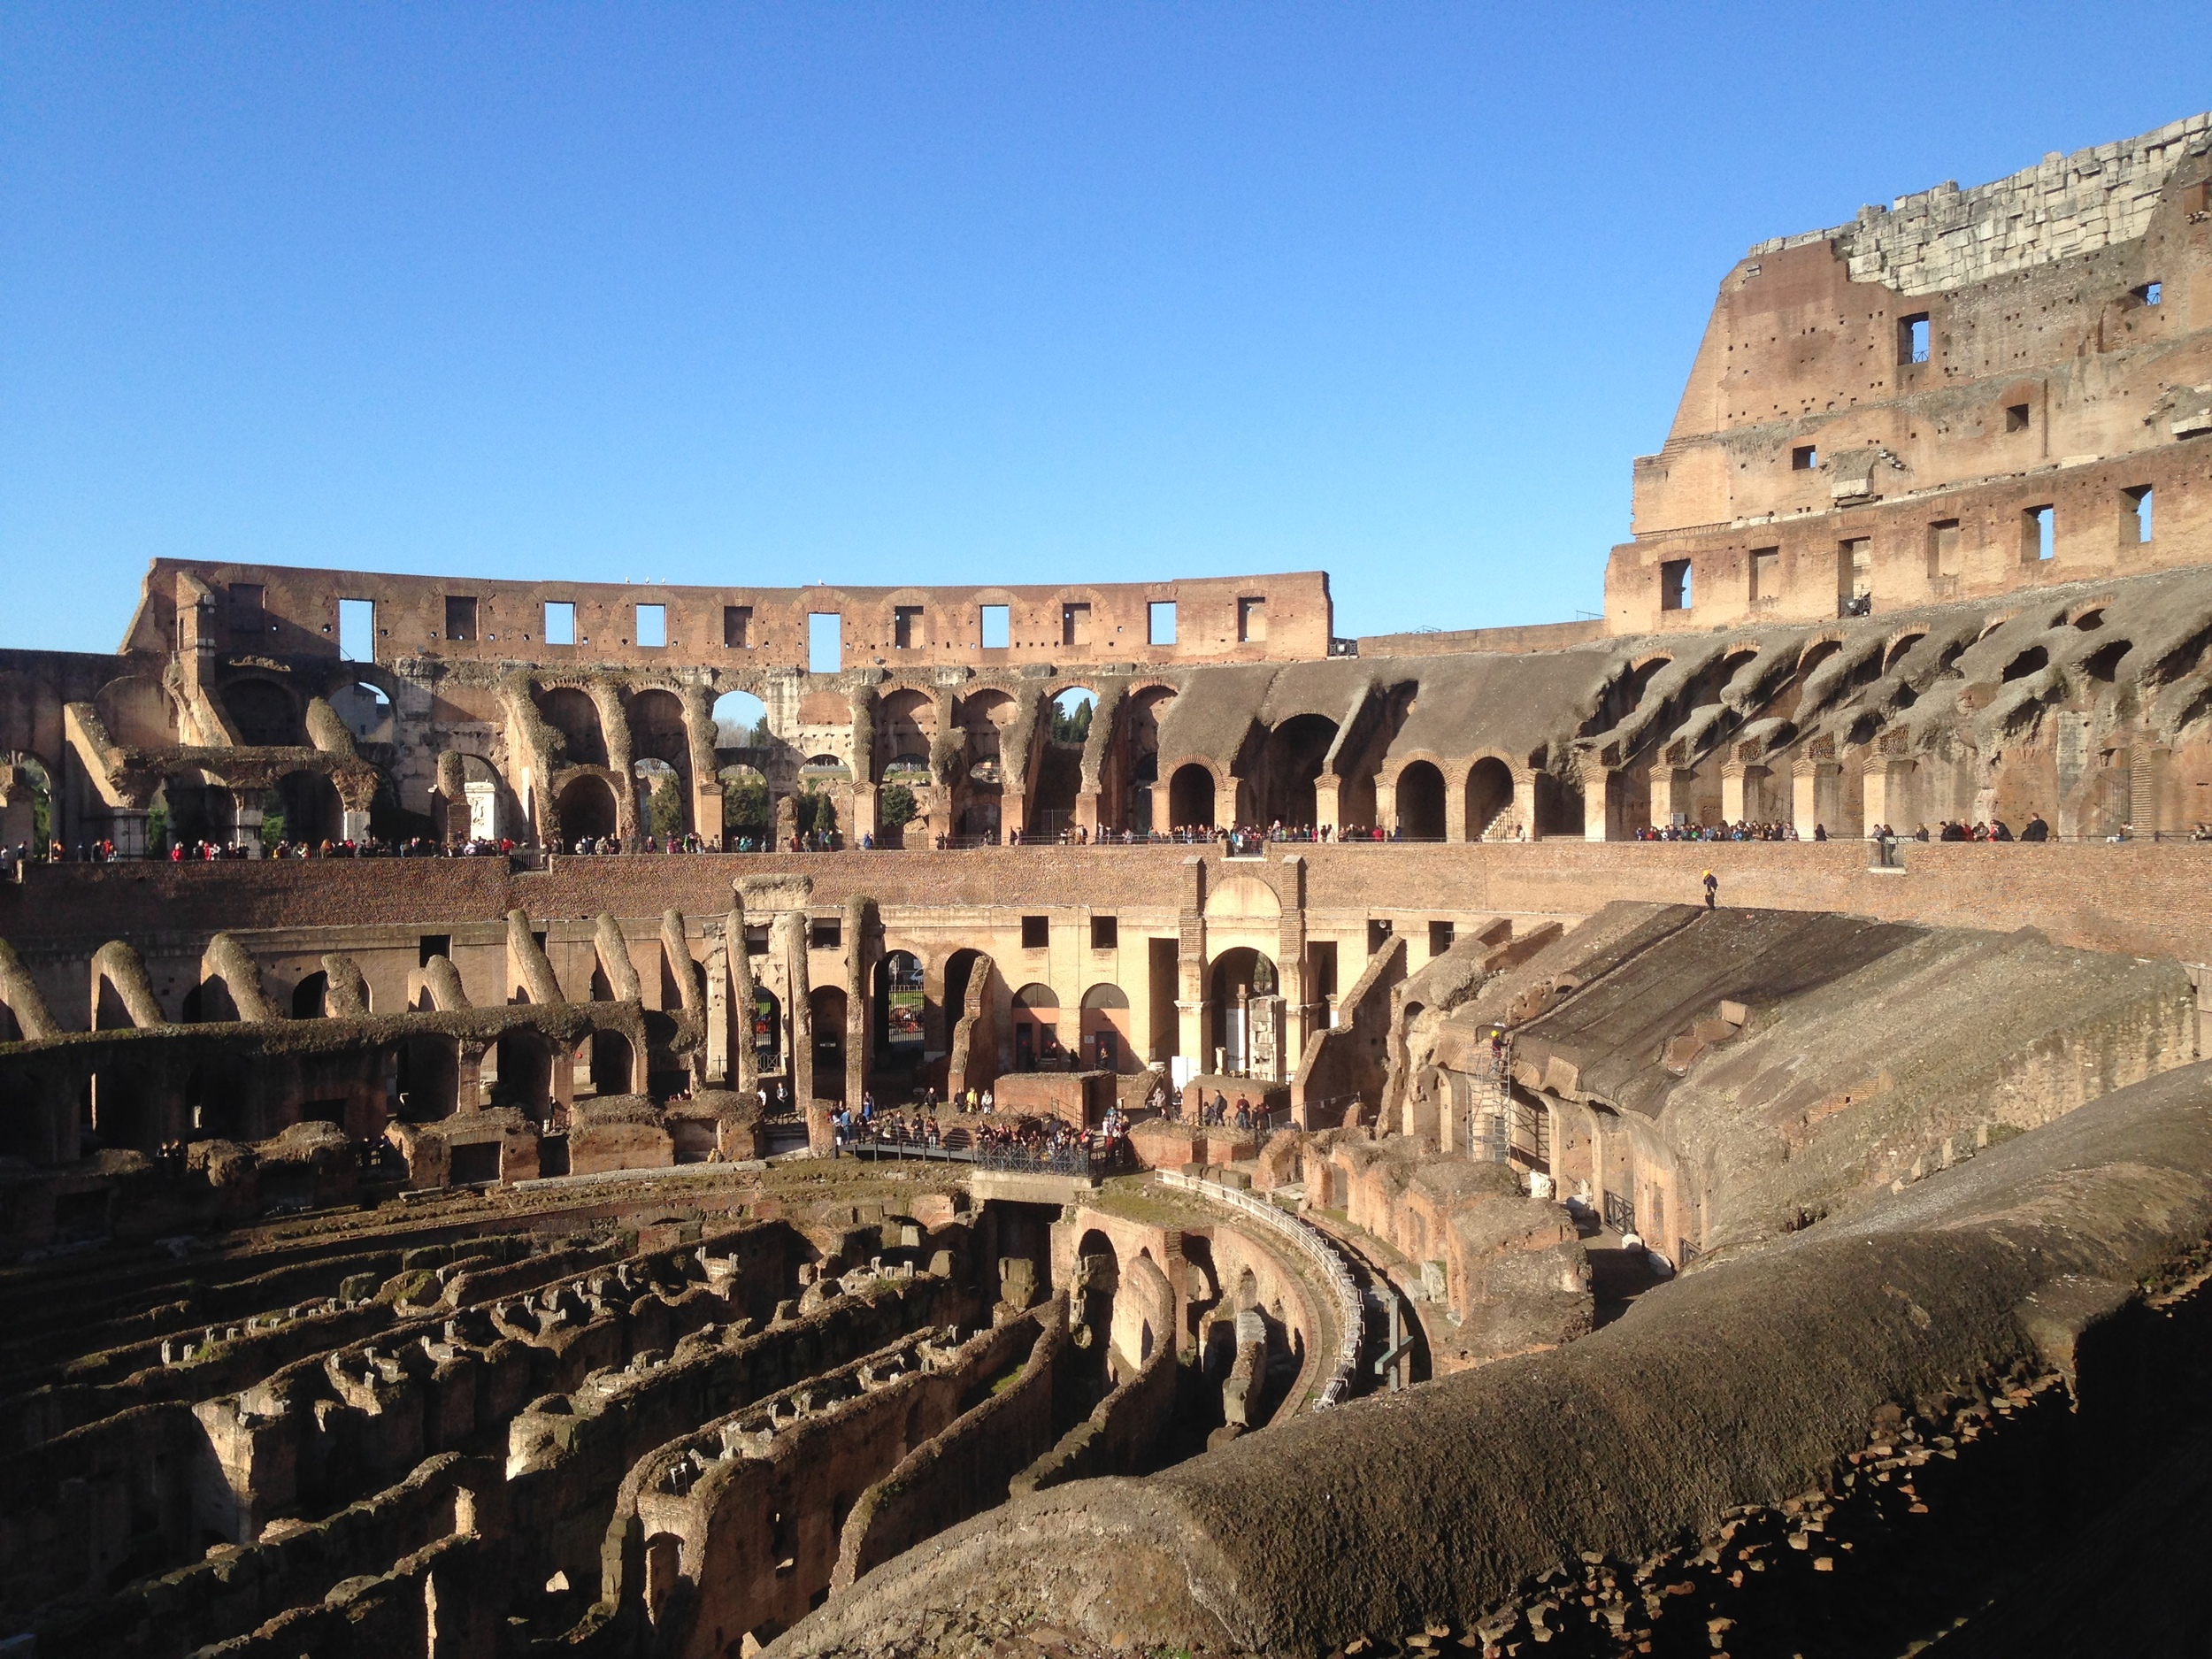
{"x":264,"y":714}
{"x":1420,"y":801}
{"x":1107,"y":1039}
{"x":586,"y":806}
{"x":1036,"y":1025}
{"x":311,"y":996}
{"x":312,"y":811}
{"x":1489,"y":789}
{"x":1243,"y":898}
{"x":1291,"y":763}
{"x":906,"y":725}
{"x":1894,"y":653}
{"x":1232,"y":978}
{"x":1191,"y":793}
{"x":614,"y":1064}
{"x":574,"y":713}
{"x":526,"y":1071}
{"x":900,"y":1013}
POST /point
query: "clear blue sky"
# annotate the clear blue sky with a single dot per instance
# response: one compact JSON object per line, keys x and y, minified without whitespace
{"x":921,"y":292}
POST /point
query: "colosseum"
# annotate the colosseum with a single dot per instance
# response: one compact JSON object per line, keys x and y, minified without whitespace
{"x":551,"y":1119}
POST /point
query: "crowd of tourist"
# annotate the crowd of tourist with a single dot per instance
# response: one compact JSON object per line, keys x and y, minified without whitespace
{"x":914,"y":1130}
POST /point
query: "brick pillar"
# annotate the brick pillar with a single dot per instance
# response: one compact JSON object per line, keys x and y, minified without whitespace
{"x":1524,"y":804}
{"x":1190,"y":1002}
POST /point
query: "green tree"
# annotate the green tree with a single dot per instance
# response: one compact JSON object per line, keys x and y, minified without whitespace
{"x":745,"y":805}
{"x":1070,"y":727}
{"x":815,"y":810}
{"x":667,"y":809}
{"x":895,"y":806}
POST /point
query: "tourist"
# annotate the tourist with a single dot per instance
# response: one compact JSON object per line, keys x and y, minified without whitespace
{"x":1712,"y":890}
{"x":2035,"y":829}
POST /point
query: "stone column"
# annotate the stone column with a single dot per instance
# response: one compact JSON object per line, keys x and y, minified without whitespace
{"x":1190,"y":967}
{"x":1813,"y":793}
{"x":472,"y":1078}
{"x":860,"y":915}
{"x":1327,"y":794}
{"x":1293,"y":979}
{"x":1524,"y":804}
{"x":353,"y":826}
{"x":246,"y":821}
{"x":1672,"y":791}
{"x":790,"y":941}
{"x":742,"y":994}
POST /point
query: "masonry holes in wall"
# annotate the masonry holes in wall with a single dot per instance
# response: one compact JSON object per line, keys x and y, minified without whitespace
{"x":356,"y":630}
{"x":2016,"y":416}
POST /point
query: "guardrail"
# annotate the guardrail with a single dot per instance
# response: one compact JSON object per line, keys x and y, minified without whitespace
{"x":1350,"y":1306}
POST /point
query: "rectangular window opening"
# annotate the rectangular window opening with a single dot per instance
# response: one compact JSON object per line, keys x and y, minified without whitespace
{"x":1160,"y":622}
{"x":1322,"y":952}
{"x":652,"y":626}
{"x":433,"y":945}
{"x":560,"y":622}
{"x":1105,"y":933}
{"x":1854,"y":568}
{"x":825,"y":933}
{"x":998,"y":626}
{"x":1674,"y":585}
{"x":1804,"y":459}
{"x":2137,"y":520}
{"x":1036,"y":932}
{"x":2151,"y":292}
{"x":1440,"y":938}
{"x":906,"y":626}
{"x":1766,"y":573}
{"x":1251,"y":620}
{"x":356,"y":630}
{"x":1943,"y":548}
{"x":460,"y":619}
{"x":1377,"y":934}
{"x":2037,"y":532}
{"x":1912,"y":338}
{"x":1075,"y":625}
{"x":2016,"y":416}
{"x":737,"y":626}
{"x":825,"y":642}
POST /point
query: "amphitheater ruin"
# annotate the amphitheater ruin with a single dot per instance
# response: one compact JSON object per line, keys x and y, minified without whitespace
{"x":543,"y":1118}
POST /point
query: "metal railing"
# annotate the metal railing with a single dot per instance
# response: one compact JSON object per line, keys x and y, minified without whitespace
{"x":1091,"y":1163}
{"x":1350,"y":1306}
{"x":1620,"y":1214}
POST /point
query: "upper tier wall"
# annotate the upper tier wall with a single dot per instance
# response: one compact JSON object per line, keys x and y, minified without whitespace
{"x":281,"y":611}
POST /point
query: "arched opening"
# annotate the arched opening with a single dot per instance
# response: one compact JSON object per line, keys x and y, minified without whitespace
{"x":667,"y":803}
{"x":1420,"y":802}
{"x":1897,"y":651}
{"x":1238,"y":978}
{"x":901,"y":1017}
{"x":740,"y":721}
{"x":612,"y":1063}
{"x":481,"y":793}
{"x":748,"y":814}
{"x":526,"y":1071}
{"x":1489,"y":797}
{"x":264,"y":714}
{"x":27,"y":802}
{"x":959,"y":967}
{"x":906,"y":723}
{"x":1060,"y":764}
{"x":587,"y":809}
{"x":1107,"y":1039}
{"x":366,"y":710}
{"x":1291,"y":764}
{"x":137,"y":713}
{"x":826,"y":1002}
{"x":572,"y":713}
{"x":2027,"y":663}
{"x":984,"y":719}
{"x":1190,"y":798}
{"x":1141,"y":726}
{"x":2103,"y":664}
{"x":767,"y":1029}
{"x":429,"y":1078}
{"x":308,"y":810}
{"x":311,"y":996}
{"x":1037,"y":1028}
{"x":1092,"y":1294}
